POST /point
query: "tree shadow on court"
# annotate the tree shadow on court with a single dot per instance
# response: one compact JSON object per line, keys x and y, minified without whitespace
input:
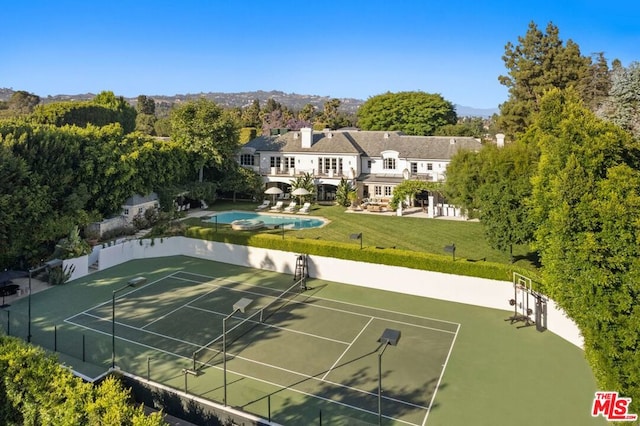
{"x":353,"y":400}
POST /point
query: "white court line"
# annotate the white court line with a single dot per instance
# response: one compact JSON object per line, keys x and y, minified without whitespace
{"x":317,"y":379}
{"x":284,"y":387}
{"x":134,"y":342}
{"x":331,"y":401}
{"x":253,"y":293}
{"x":444,"y":367}
{"x":347,"y":348}
{"x":122,"y":295}
{"x":128,"y":326}
{"x":180,"y":307}
{"x":279,"y":386}
{"x":264,"y":324}
{"x":342,"y":303}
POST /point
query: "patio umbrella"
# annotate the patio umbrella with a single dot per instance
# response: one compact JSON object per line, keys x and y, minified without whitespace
{"x":6,"y":276}
{"x":300,"y":192}
{"x":274,"y":190}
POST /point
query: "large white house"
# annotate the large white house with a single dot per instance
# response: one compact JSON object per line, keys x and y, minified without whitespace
{"x":374,"y":161}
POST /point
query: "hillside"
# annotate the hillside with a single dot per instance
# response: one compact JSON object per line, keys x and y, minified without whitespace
{"x":294,"y":101}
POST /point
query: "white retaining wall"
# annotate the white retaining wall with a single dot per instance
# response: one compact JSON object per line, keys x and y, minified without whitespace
{"x":455,"y":288}
{"x":80,"y":265}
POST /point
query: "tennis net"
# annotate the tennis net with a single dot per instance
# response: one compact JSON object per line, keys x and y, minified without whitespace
{"x":207,"y":355}
{"x":281,"y":300}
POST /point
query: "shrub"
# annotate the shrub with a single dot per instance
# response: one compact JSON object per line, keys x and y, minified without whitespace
{"x":386,"y":256}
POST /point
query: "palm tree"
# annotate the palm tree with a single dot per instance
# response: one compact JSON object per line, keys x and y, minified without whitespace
{"x":305,"y":181}
{"x":345,"y":193}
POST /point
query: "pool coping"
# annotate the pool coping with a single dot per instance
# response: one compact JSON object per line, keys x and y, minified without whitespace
{"x":324,"y":220}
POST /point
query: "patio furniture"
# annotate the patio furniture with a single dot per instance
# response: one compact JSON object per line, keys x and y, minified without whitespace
{"x":278,"y":207}
{"x":305,"y":208}
{"x":263,"y":206}
{"x":291,"y":208}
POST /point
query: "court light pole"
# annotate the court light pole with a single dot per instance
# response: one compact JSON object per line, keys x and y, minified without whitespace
{"x":131,"y":283}
{"x":50,"y":264}
{"x":389,"y":337}
{"x":240,"y":306}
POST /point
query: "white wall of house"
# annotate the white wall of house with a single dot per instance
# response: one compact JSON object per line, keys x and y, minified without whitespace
{"x":435,"y":169}
{"x":474,"y":291}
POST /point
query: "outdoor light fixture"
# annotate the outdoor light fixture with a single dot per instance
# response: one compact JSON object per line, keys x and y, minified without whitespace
{"x":132,"y":283}
{"x":240,"y":306}
{"x":451,"y":249}
{"x":357,"y":237}
{"x":389,"y":337}
{"x":48,"y":265}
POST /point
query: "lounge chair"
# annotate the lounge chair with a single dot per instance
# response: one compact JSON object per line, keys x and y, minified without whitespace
{"x":277,"y":207}
{"x":291,"y":208}
{"x":305,"y":208}
{"x":263,"y":206}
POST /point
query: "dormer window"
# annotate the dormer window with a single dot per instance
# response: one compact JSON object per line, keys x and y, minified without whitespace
{"x":389,"y":163}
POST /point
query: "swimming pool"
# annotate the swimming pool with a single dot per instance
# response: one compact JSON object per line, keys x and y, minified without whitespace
{"x":290,"y":222}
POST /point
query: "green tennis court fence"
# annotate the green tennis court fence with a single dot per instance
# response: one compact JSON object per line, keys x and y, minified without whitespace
{"x":208,"y":354}
{"x":62,"y":337}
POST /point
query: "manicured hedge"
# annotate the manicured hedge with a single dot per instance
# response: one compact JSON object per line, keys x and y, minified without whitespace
{"x":383,"y":256}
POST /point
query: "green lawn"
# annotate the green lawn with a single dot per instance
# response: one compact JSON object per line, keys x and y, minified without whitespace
{"x":410,"y":233}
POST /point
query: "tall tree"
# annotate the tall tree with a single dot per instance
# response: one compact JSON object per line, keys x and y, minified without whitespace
{"x":146,"y":105}
{"x":597,"y":84}
{"x":623,"y":104}
{"x":541,"y":61}
{"x":586,"y":205}
{"x":331,"y":117}
{"x":307,"y":113}
{"x":251,"y":115}
{"x":465,"y":174}
{"x":502,"y":197}
{"x":126,"y":114}
{"x":414,"y":113}
{"x":494,"y":185}
{"x":203,"y":128}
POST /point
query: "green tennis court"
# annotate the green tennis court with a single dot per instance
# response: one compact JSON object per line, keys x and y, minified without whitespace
{"x":307,"y":344}
{"x":314,"y":354}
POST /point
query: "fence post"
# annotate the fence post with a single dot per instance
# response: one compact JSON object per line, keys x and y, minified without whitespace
{"x":55,"y":338}
{"x":269,"y":406}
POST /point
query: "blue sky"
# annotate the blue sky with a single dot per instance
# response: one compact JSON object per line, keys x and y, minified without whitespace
{"x":344,"y":48}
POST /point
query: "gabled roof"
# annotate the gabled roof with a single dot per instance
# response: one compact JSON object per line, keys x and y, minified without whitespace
{"x":137,"y":199}
{"x":368,"y":143}
{"x":291,"y":142}
{"x":414,"y":147}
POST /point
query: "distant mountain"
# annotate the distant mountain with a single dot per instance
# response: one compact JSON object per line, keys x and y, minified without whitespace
{"x":242,"y":99}
{"x":465,"y":111}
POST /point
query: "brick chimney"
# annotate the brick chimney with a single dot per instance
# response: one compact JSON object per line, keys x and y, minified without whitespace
{"x":307,"y":137}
